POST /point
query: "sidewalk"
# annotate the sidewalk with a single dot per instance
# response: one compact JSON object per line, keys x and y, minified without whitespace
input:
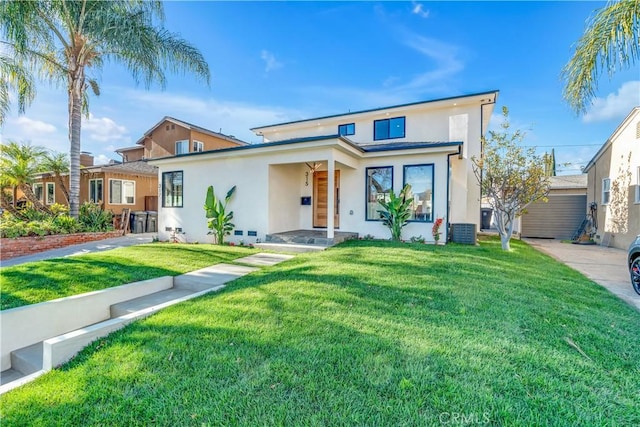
{"x":83,"y":248}
{"x":605,"y":266}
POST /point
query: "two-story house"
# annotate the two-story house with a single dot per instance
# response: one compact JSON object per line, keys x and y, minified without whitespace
{"x":329,"y":173}
{"x":170,"y":137}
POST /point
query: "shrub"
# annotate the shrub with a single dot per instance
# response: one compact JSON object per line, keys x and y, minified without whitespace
{"x":93,"y":218}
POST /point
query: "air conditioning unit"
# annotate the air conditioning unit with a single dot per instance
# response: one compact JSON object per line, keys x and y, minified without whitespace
{"x":463,"y":233}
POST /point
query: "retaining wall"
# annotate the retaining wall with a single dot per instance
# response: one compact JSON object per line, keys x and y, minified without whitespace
{"x":11,"y":248}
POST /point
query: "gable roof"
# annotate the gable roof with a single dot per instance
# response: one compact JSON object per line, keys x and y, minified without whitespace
{"x":634,"y":112}
{"x":190,"y":126}
{"x":120,"y":150}
{"x":492,"y":96}
{"x":568,"y":181}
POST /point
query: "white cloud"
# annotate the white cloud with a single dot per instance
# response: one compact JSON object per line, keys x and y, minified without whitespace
{"x":232,"y":118}
{"x":615,"y":105}
{"x":101,"y":159}
{"x":270,"y":61}
{"x":418,"y":9}
{"x":104,"y":129}
{"x":33,"y":127}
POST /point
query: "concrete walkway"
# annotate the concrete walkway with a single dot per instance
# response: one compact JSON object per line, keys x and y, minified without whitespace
{"x":83,"y":248}
{"x":605,"y":266}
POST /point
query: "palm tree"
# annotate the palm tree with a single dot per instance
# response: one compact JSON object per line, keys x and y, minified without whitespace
{"x":57,"y":164}
{"x":67,"y":40}
{"x":14,"y":78}
{"x":19,"y":162}
{"x":611,"y":41}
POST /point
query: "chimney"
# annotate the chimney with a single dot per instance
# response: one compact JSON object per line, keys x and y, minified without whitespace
{"x":86,"y":159}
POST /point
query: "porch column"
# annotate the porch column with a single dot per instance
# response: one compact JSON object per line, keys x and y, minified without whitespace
{"x":331,"y":197}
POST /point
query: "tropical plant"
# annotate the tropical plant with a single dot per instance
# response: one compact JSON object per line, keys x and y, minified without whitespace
{"x":14,"y":77}
{"x":511,"y":177}
{"x":57,"y":164}
{"x":610,"y":42}
{"x":65,"y":41}
{"x":94,"y":218}
{"x":219,"y":220}
{"x":19,"y":162}
{"x":396,"y":211}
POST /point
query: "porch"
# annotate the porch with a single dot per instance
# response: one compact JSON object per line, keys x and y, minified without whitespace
{"x":310,"y":237}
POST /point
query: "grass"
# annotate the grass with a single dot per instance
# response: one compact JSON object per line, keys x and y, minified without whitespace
{"x":367,"y":333}
{"x":46,"y":280}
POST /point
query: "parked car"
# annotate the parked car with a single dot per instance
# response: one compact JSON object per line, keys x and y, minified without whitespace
{"x":634,"y":264}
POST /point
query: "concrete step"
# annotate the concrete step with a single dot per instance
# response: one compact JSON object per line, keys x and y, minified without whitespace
{"x":210,"y":277}
{"x":264,"y":260}
{"x":289,"y":247}
{"x":10,"y":375}
{"x":28,"y":359}
{"x":146,"y":301}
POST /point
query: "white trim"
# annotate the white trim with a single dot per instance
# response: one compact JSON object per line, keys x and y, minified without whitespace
{"x":198,"y":146}
{"x":100,"y":199}
{"x":607,"y":191}
{"x":46,"y":194}
{"x":181,"y":142}
{"x":33,"y":188}
{"x":122,"y":192}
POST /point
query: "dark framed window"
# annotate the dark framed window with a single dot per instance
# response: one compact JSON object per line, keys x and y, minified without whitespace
{"x":420,"y":177}
{"x":389,"y":128}
{"x":172,"y":187}
{"x":95,"y":190}
{"x":347,"y":129}
{"x":379,"y":182}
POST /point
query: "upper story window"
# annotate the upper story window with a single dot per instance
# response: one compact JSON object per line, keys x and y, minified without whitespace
{"x":198,"y":146}
{"x":182,"y":147}
{"x":606,"y":191}
{"x":51,"y":193}
{"x":38,"y":191}
{"x":347,"y":129}
{"x":388,"y":128}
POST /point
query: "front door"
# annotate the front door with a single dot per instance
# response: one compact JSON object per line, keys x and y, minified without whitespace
{"x":320,"y":183}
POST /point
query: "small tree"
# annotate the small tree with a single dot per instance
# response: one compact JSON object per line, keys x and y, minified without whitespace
{"x":511,"y":176}
{"x":219,"y":219}
{"x":396,"y":212}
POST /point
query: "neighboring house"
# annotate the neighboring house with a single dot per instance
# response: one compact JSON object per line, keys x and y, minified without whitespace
{"x":614,"y":184}
{"x":170,"y":137}
{"x":563,"y":212}
{"x":329,"y":172}
{"x":132,"y":185}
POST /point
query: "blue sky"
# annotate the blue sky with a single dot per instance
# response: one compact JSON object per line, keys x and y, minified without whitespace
{"x":275,"y":62}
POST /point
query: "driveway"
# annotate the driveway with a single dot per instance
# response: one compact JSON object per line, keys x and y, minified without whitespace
{"x":84,"y":248}
{"x":605,"y":266}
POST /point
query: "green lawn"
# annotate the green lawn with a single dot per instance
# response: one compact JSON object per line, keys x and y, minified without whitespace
{"x":46,"y":280}
{"x":366,"y":333}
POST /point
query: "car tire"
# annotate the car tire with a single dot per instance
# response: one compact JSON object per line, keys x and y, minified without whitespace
{"x":634,"y":271}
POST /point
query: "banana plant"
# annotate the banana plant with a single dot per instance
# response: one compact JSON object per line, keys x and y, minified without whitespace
{"x":219,"y":220}
{"x":396,"y":212}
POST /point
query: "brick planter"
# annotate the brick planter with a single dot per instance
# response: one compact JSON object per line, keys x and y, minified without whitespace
{"x":11,"y":248}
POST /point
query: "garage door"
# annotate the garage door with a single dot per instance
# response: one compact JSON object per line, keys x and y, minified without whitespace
{"x":559,"y":218}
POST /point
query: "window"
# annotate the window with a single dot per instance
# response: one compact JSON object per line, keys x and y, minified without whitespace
{"x":122,"y":192}
{"x":606,"y":191}
{"x":51,"y":193}
{"x":182,"y":147}
{"x":388,"y":128}
{"x":95,"y":190}
{"x":420,"y":177}
{"x":348,"y":129}
{"x":379,"y":185}
{"x":172,"y":189}
{"x":198,"y":146}
{"x":38,"y":191}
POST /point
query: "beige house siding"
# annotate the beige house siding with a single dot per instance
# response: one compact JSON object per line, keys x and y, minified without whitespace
{"x":618,"y":160}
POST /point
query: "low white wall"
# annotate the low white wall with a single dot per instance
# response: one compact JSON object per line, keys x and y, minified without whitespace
{"x":24,"y":326}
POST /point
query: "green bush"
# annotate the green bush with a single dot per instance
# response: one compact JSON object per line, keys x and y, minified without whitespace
{"x":93,"y":218}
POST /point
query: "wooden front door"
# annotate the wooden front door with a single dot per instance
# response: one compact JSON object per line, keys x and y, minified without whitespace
{"x":320,"y":182}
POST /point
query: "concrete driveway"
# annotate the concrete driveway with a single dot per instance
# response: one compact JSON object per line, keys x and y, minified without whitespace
{"x":605,"y":266}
